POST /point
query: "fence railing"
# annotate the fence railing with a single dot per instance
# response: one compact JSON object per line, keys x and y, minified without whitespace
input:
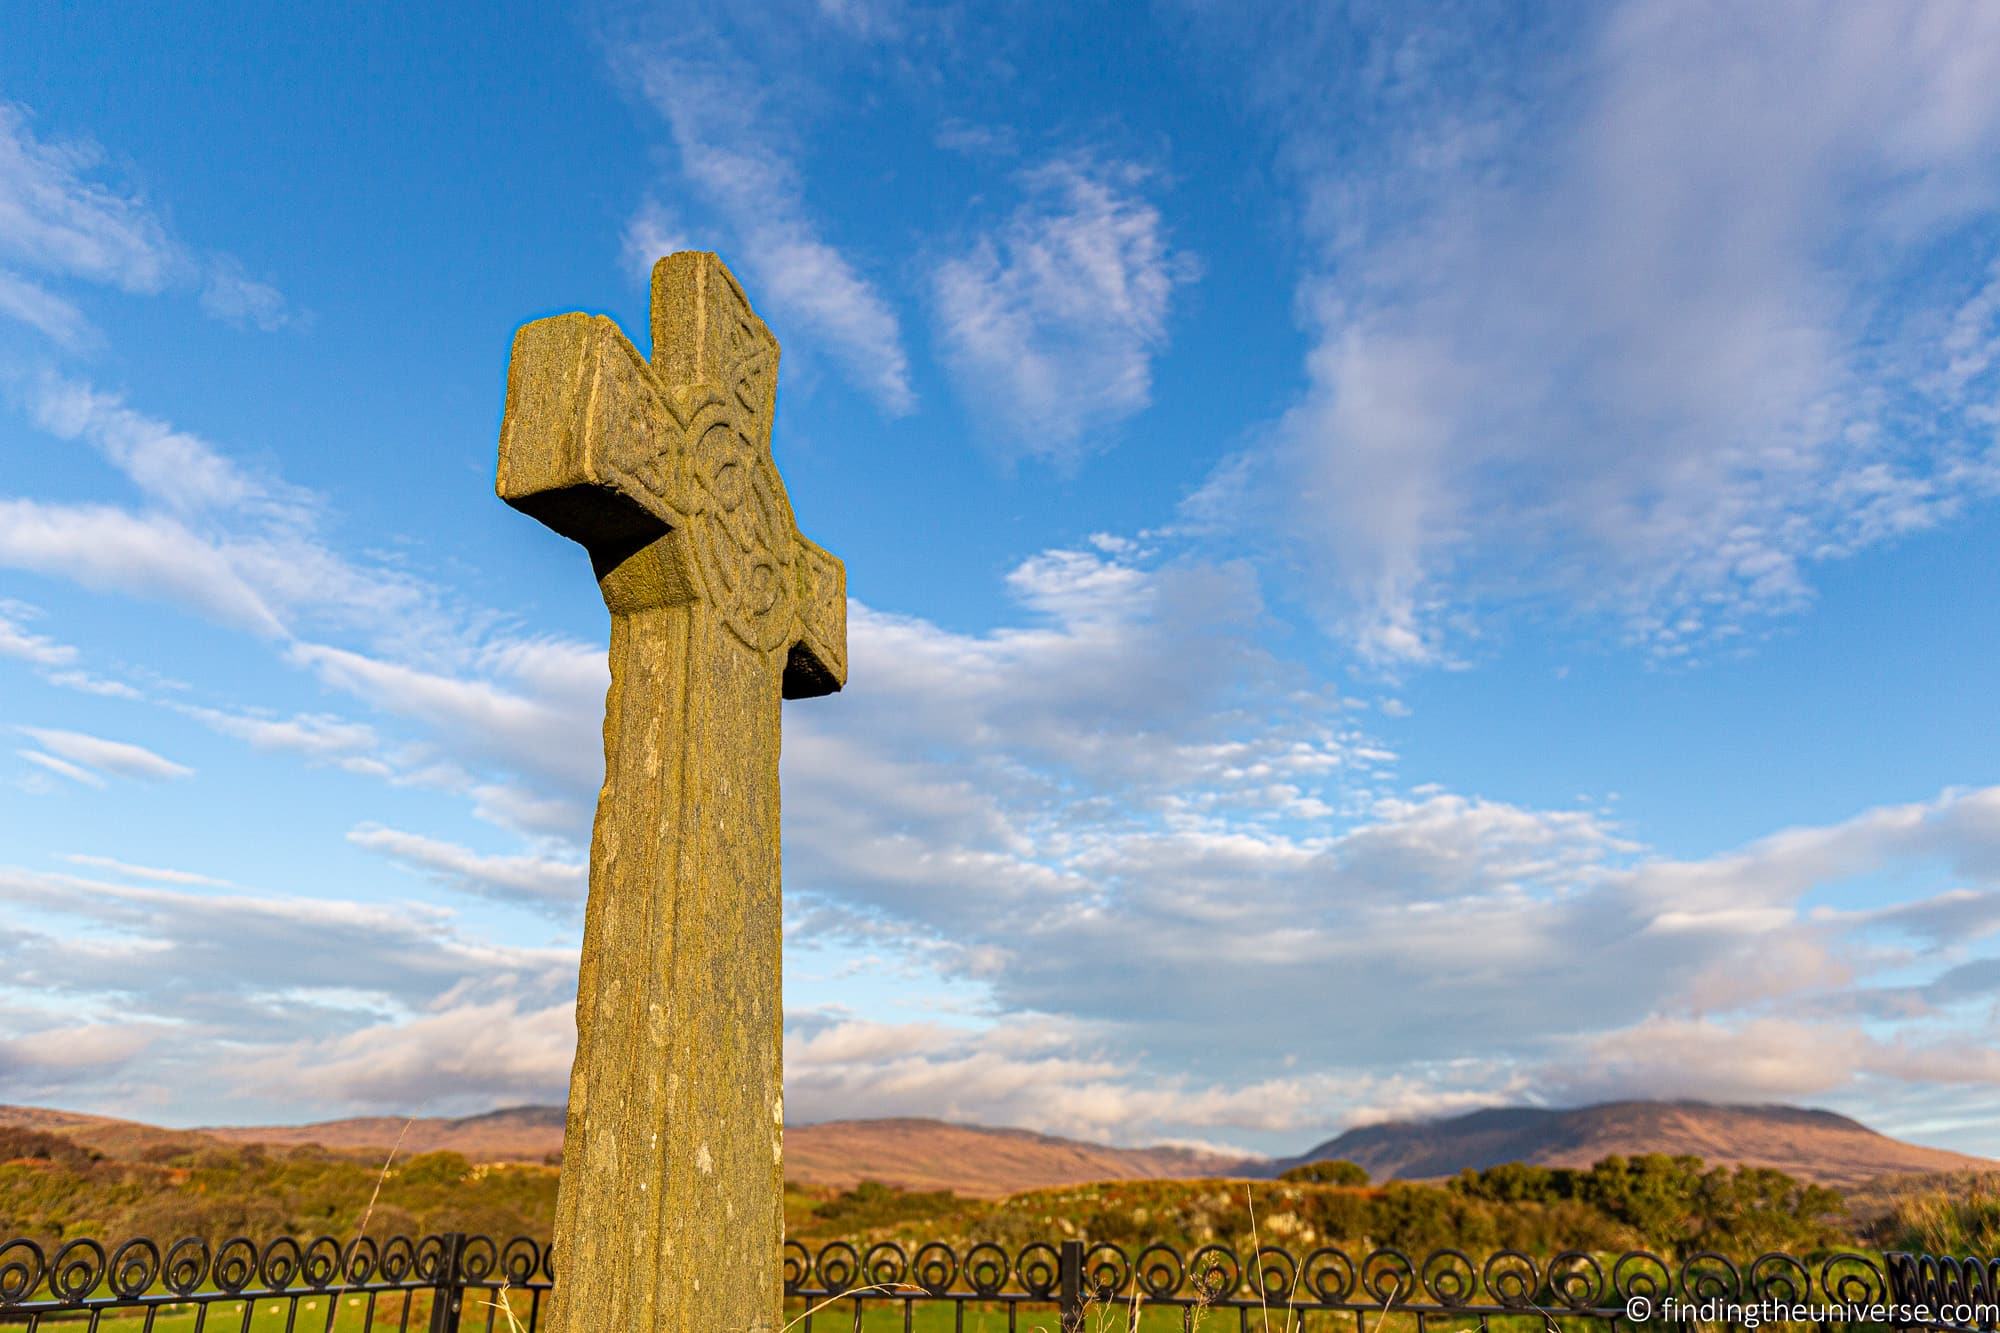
{"x":456,"y":1283}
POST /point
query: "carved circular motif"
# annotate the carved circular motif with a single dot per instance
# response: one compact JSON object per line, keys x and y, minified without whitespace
{"x":743,"y":539}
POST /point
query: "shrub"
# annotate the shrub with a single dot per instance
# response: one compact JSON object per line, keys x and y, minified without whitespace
{"x":1333,"y":1171}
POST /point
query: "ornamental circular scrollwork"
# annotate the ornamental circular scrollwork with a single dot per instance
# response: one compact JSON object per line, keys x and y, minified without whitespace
{"x":1160,"y":1271}
{"x":520,"y":1259}
{"x":1215,"y":1271}
{"x":798,"y":1266}
{"x":1276,"y":1274}
{"x":1039,"y":1268}
{"x":1779,"y":1279}
{"x":886,"y":1265}
{"x":1329,"y":1274}
{"x":935,"y":1267}
{"x":838,"y":1265}
{"x":1852,"y":1279}
{"x":987,"y":1268}
{"x":1106,"y":1270}
{"x":1511,"y":1278}
{"x":21,"y":1267}
{"x":359,"y":1261}
{"x":1577,"y":1279}
{"x":76,"y":1270}
{"x":135,"y":1266}
{"x":322,"y":1262}
{"x":1449,"y":1277}
{"x":187,"y":1265}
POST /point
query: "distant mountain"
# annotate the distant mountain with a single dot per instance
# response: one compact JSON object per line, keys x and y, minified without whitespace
{"x":911,"y":1154}
{"x":1811,"y":1145}
{"x":124,"y":1140}
{"x":512,"y":1134}
{"x":970,"y":1159}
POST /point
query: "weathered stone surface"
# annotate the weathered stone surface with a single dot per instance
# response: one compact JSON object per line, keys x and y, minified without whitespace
{"x":669,"y":1215}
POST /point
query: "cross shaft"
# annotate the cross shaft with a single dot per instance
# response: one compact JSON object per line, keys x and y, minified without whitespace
{"x":670,"y":1212}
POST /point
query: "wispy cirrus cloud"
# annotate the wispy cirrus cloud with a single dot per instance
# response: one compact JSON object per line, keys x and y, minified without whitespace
{"x":100,"y":755}
{"x":652,"y":233}
{"x":243,"y":548}
{"x":64,"y":220}
{"x":1632,"y":329}
{"x":546,"y":883}
{"x":20,"y":642}
{"x":61,"y":768}
{"x":1052,"y":320}
{"x":40,"y":308}
{"x":116,"y":550}
{"x":737,"y":151}
{"x":158,"y":874}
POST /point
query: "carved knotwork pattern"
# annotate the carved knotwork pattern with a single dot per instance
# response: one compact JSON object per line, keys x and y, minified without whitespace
{"x":746,"y":359}
{"x":743,"y":539}
{"x":701,"y":456}
{"x":745,"y":546}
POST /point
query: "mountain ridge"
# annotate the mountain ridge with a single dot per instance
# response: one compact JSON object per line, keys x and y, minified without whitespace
{"x":927,"y":1154}
{"x":1809,"y":1143}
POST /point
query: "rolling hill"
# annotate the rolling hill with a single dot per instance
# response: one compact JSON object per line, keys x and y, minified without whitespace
{"x":984,"y":1163}
{"x":913,"y":1154}
{"x":1819,"y":1146}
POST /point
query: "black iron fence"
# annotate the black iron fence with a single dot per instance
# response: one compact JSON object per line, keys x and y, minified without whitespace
{"x":457,"y":1283}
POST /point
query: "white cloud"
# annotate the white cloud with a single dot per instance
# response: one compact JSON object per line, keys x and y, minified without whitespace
{"x":1644,"y":344}
{"x":60,"y":217}
{"x":242,"y":548}
{"x":19,"y":642}
{"x":312,"y":734}
{"x":257,"y":968}
{"x":539,"y":726}
{"x":651,"y":234}
{"x":51,"y":1057}
{"x":86,"y":683}
{"x":230,"y":294}
{"x":275,"y":996}
{"x":470,"y":1054}
{"x":39,"y":308}
{"x":158,"y":874}
{"x":733,"y":152}
{"x":118,"y":757}
{"x":53,"y":217}
{"x":183,"y":472}
{"x":864,"y":18}
{"x":545,"y":882}
{"x":958,"y":136}
{"x":61,"y":767}
{"x":1053,"y":320}
{"x":114,"y":550}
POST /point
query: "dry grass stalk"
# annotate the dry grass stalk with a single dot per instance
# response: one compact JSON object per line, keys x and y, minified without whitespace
{"x":1256,"y":1256}
{"x":505,"y":1305}
{"x":361,"y":1228}
{"x":879,"y":1288}
{"x":380,"y":1176}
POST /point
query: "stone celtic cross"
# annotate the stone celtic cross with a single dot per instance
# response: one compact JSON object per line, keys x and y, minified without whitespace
{"x":669,"y":1215}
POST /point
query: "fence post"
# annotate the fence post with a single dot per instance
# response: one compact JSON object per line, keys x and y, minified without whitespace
{"x":1069,"y":1270}
{"x":449,"y":1293}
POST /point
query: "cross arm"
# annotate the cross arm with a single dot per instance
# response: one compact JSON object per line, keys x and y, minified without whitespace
{"x":817,"y":662}
{"x":594,"y":445}
{"x":585,"y":441}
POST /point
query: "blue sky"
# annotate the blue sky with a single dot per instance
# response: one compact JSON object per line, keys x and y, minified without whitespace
{"x":1399,"y":560}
